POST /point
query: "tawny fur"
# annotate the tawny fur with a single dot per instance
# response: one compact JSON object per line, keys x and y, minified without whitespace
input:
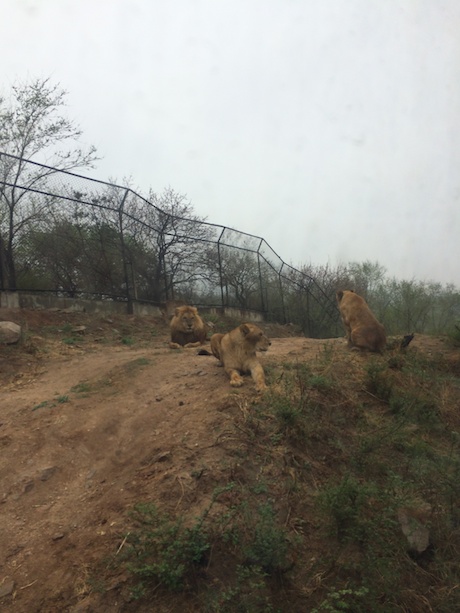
{"x":363,"y":331}
{"x":237,"y":351}
{"x":215,"y":344}
{"x":187,"y":328}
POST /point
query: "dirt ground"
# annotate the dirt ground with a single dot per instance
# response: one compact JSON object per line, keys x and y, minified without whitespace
{"x":96,"y":414}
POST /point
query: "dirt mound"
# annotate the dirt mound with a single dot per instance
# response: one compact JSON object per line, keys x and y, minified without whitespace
{"x":97,"y":414}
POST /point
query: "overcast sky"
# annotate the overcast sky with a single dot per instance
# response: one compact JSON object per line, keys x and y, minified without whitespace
{"x":331,"y":128}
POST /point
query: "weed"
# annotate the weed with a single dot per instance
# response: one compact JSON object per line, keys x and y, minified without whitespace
{"x":163,"y":550}
{"x":248,"y":595}
{"x":412,"y":406}
{"x":327,"y":354}
{"x":348,"y":599}
{"x":454,"y":336}
{"x":81,"y":388}
{"x":268,"y":545}
{"x":355,"y":508}
{"x":378,"y":381}
{"x":70,"y":340}
{"x":321,"y":383}
{"x":41,"y":405}
{"x":62,"y":399}
{"x":128,"y":340}
{"x":287,"y":413}
{"x":137,"y":363}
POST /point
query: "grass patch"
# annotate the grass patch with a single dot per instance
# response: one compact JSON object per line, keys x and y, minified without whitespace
{"x":316,"y":474}
{"x":128,"y":340}
{"x":81,"y":388}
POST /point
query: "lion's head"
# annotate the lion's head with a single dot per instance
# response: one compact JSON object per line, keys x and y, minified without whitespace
{"x":255,"y":336}
{"x":187,"y":328}
{"x":186,"y":319}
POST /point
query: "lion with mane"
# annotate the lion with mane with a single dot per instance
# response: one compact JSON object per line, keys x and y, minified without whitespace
{"x":237,"y":352}
{"x":187,"y":328}
{"x":363,"y":331}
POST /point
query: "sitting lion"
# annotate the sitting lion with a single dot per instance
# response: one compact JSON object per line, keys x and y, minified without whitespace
{"x":237,"y":352}
{"x":187,"y":328}
{"x":363,"y":331}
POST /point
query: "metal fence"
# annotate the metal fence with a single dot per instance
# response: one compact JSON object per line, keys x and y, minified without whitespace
{"x":65,"y":233}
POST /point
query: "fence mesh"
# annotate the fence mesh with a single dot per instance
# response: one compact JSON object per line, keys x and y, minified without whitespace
{"x":65,"y":233}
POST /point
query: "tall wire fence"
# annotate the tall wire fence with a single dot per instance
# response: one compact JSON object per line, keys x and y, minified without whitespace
{"x":74,"y":236}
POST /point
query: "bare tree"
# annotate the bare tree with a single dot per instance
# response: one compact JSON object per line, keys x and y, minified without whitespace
{"x":31,"y":123}
{"x":178,"y":238}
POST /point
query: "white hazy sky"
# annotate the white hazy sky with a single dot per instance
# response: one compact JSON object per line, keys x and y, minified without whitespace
{"x":331,"y":128}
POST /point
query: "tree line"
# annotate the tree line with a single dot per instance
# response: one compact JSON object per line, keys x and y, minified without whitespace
{"x":67,"y":234}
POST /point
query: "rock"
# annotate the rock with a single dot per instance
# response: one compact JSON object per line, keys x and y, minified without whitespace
{"x":79,"y":329}
{"x":48,"y":472}
{"x":29,"y":486}
{"x":163,"y":456}
{"x":10,"y":332}
{"x":413,"y":524}
{"x":6,"y":588}
{"x":58,"y":536}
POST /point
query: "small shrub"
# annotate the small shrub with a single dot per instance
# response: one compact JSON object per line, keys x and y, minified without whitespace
{"x":286,"y":412}
{"x":249,"y":594}
{"x":161,"y":550}
{"x":128,"y":340}
{"x":378,"y":381}
{"x":454,"y":336}
{"x":348,"y":599}
{"x":268,"y":545}
{"x":348,"y":505}
{"x":81,"y":388}
{"x":321,"y":383}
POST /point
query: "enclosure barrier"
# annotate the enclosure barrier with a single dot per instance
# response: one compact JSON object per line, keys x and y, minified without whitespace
{"x":73,"y":236}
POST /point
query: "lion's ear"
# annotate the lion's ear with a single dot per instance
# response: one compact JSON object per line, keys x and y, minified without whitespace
{"x":176,"y":311}
{"x":339,"y":295}
{"x":245,"y":329}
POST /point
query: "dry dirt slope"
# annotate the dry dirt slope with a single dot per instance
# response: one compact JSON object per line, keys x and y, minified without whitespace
{"x":92,"y":422}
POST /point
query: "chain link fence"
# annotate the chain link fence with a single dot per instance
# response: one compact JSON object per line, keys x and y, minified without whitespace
{"x":64,"y":233}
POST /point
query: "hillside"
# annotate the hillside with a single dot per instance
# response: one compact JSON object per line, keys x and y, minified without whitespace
{"x":292,"y":501}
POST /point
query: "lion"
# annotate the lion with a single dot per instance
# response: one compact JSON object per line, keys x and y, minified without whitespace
{"x":187,"y":328}
{"x":363,"y":331}
{"x":237,"y":352}
{"x":215,"y":344}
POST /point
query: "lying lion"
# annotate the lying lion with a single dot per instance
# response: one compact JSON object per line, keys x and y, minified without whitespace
{"x":363,"y":331}
{"x":215,"y":344}
{"x":237,"y":352}
{"x":187,"y":328}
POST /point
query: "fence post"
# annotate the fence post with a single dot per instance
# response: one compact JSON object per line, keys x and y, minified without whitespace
{"x":283,"y":308}
{"x":130,"y":308}
{"x":262,"y":301}
{"x":221,"y":280}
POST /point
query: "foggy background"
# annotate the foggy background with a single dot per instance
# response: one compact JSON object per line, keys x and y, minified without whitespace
{"x":331,"y":129}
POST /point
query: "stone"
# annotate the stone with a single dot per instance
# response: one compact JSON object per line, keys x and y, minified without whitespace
{"x":413,"y":524}
{"x":47,"y":473}
{"x":10,"y":333}
{"x":6,"y":588}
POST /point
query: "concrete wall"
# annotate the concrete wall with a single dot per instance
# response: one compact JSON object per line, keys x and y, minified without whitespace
{"x":22,"y":300}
